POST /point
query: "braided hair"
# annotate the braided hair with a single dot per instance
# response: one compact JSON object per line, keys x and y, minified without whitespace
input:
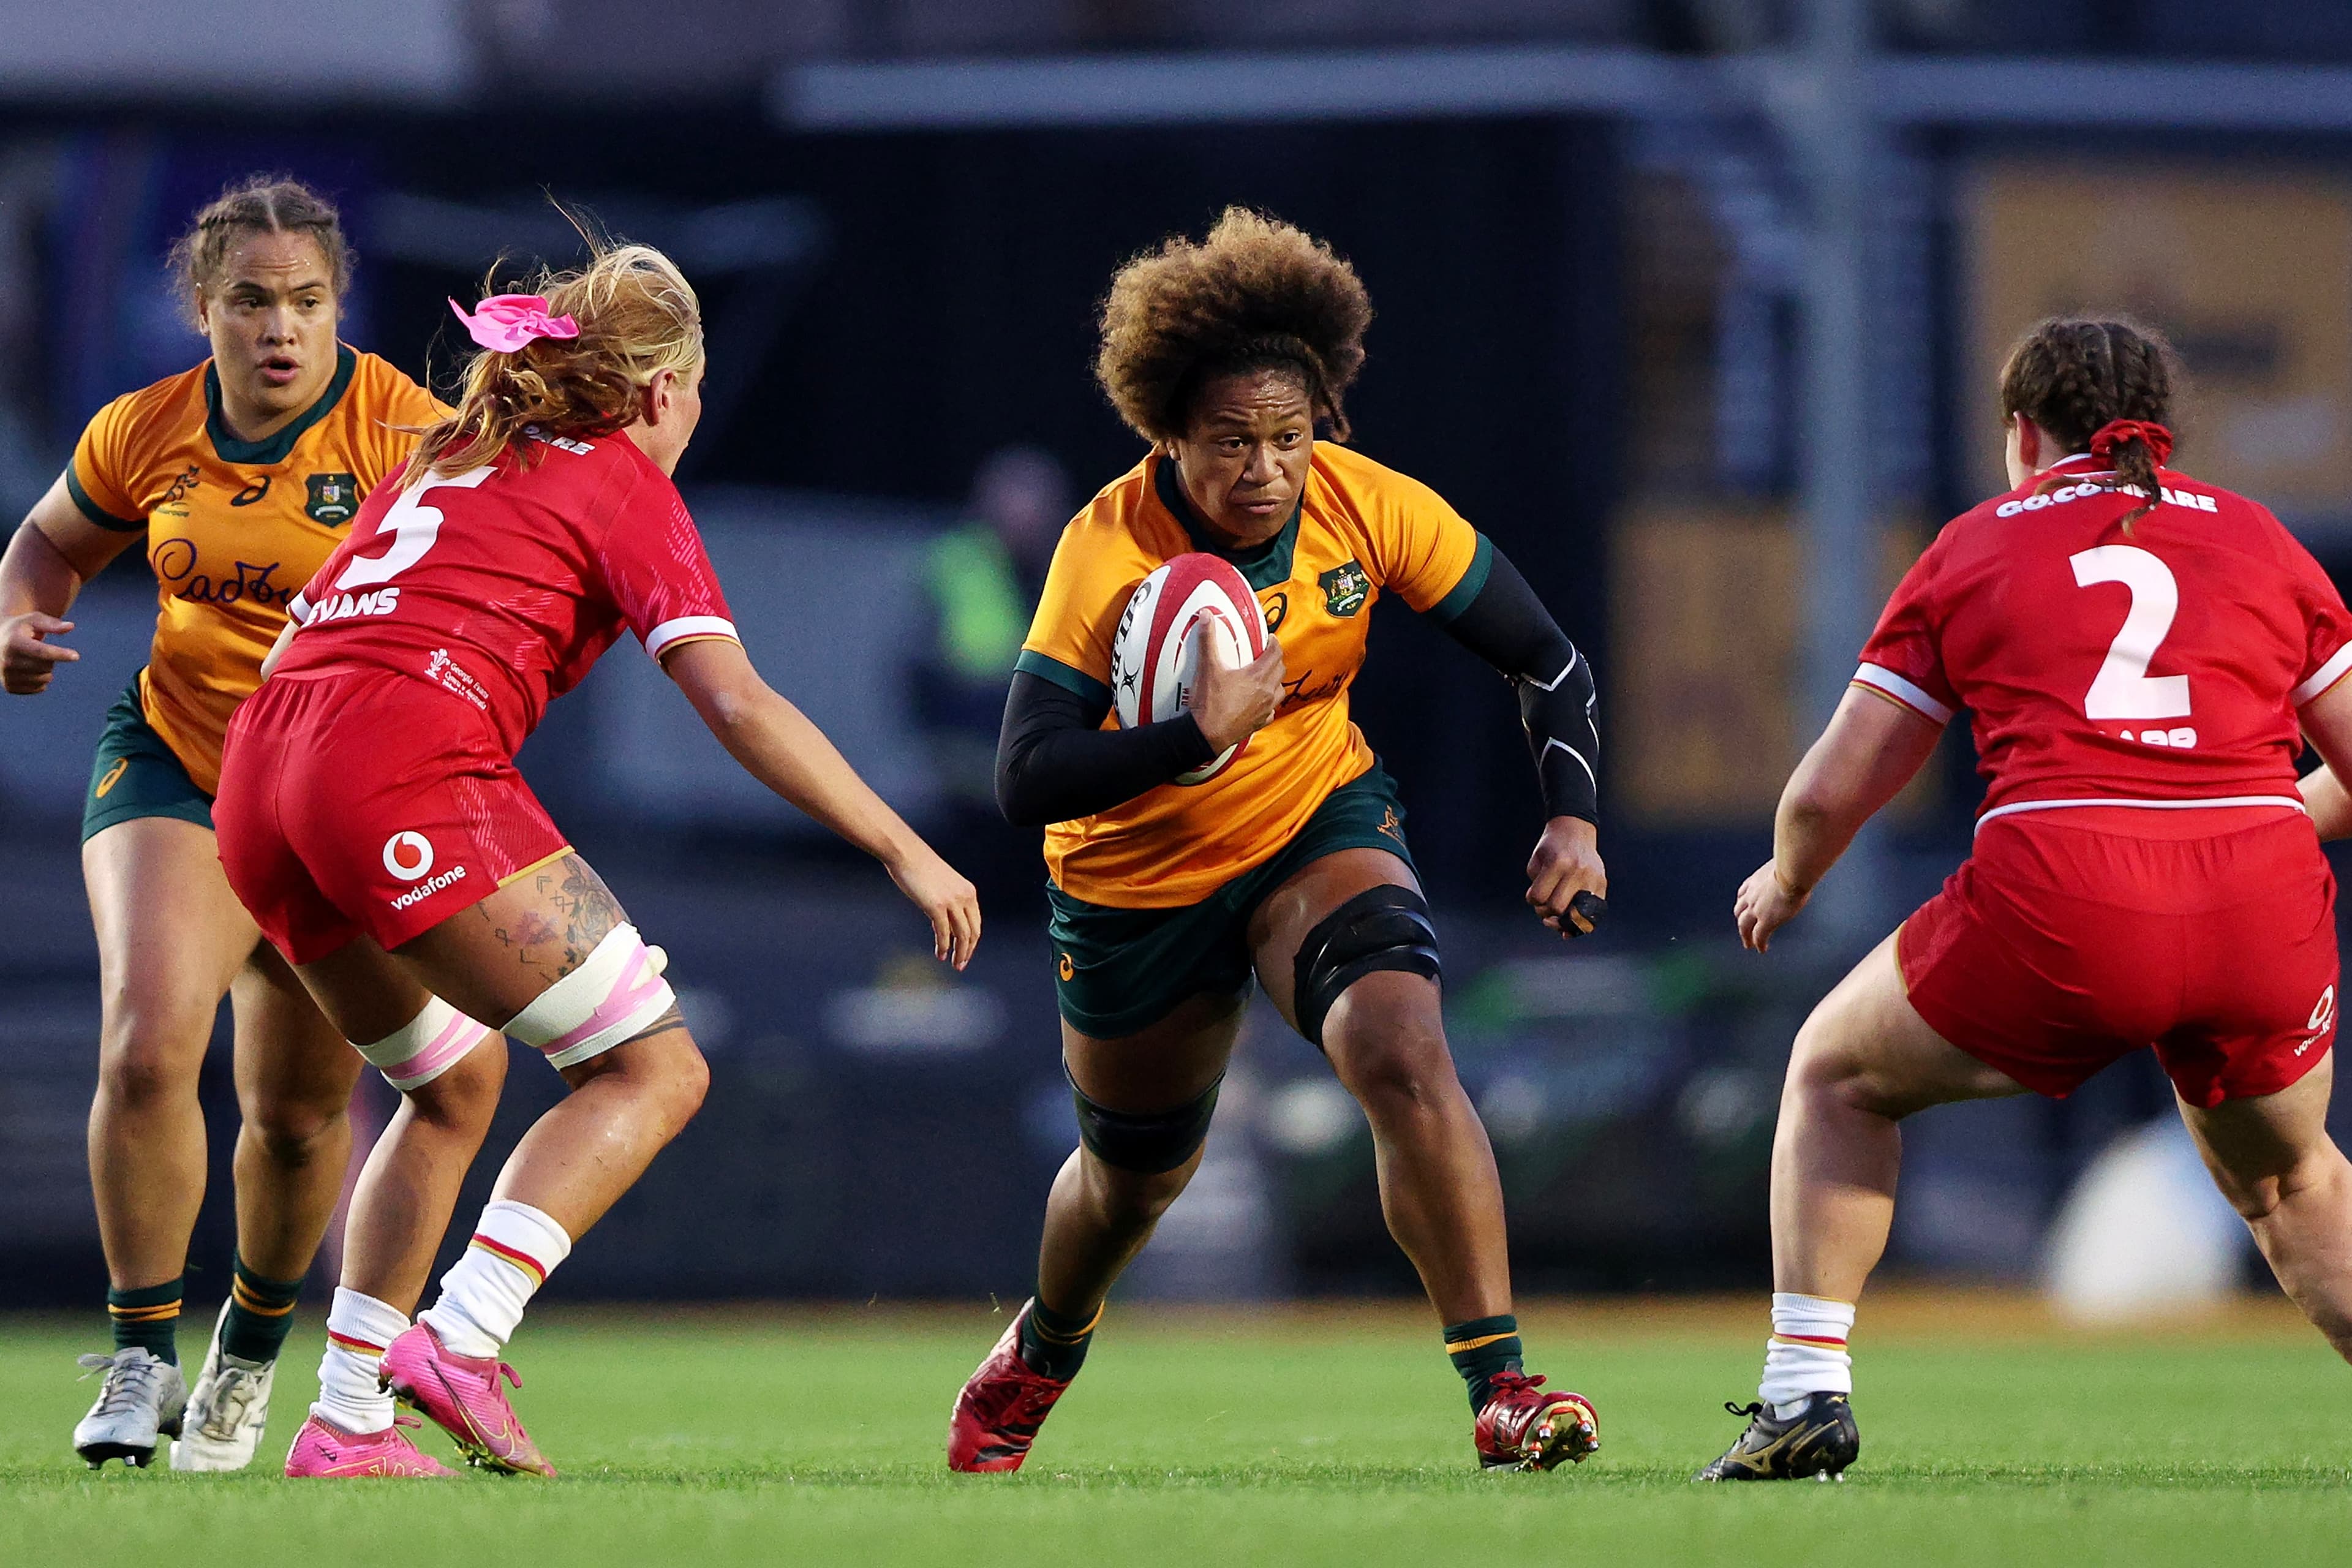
{"x":1257,"y":294}
{"x":2099,"y":384}
{"x":259,"y":203}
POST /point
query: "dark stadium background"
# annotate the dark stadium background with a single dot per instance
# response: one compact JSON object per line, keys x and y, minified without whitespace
{"x":893,"y":298}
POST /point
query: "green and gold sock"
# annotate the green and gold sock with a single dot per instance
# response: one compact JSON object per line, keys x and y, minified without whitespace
{"x":260,"y":1312}
{"x":1481,"y":1348}
{"x":1053,"y":1346}
{"x":148,"y":1317}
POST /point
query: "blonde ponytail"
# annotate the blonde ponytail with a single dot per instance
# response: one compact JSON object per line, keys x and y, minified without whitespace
{"x":637,"y":317}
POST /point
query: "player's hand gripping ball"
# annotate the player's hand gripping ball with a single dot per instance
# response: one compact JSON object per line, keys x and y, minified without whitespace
{"x":1193,"y":608}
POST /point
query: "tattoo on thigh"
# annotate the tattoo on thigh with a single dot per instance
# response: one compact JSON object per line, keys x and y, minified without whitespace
{"x":671,"y":1019}
{"x":578,"y":912}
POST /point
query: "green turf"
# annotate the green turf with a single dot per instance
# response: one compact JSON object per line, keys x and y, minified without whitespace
{"x":1213,"y":1442}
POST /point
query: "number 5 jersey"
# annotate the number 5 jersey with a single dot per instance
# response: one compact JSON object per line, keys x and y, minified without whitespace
{"x":2158,"y":664}
{"x":369,"y":787}
{"x":502,"y":586}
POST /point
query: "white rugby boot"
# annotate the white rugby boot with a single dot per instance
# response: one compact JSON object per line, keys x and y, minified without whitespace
{"x":227,"y":1409}
{"x":140,"y":1401}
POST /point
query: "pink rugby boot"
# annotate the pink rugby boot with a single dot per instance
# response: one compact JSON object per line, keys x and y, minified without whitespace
{"x":324,"y":1451}
{"x":460,"y":1395}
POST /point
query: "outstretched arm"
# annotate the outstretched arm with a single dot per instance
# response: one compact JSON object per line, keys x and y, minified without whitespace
{"x":53,"y":552}
{"x":1507,"y":626}
{"x":1869,"y":751}
{"x":777,"y":745}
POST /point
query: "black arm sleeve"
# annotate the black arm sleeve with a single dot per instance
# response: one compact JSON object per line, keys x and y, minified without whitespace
{"x":1508,"y":627}
{"x":1054,"y":763}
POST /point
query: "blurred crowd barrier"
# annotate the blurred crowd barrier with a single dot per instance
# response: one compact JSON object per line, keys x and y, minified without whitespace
{"x":451,"y":50}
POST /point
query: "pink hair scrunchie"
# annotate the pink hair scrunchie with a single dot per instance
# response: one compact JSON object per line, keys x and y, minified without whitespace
{"x":505,"y":322}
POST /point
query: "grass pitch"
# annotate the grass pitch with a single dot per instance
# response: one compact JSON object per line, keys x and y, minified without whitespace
{"x":1293,"y":1437}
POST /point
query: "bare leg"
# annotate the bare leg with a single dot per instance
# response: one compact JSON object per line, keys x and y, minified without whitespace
{"x":624,"y":1109}
{"x":408,"y":1189}
{"x":2273,"y":1160}
{"x":1438,"y":1189}
{"x":1864,"y":1060}
{"x":491,"y":961}
{"x":171,"y":937}
{"x":1098,"y":1217}
{"x":295,"y":1073}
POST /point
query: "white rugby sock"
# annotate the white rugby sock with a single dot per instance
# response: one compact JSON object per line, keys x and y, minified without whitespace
{"x":358,"y":1329}
{"x":515,"y":1249}
{"x":1807,"y":1354}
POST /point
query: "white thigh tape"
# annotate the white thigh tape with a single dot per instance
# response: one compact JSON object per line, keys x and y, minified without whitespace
{"x":434,"y":1041}
{"x":605,"y":1001}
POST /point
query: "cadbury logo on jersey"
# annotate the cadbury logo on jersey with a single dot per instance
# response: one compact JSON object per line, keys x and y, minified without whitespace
{"x":2065,"y":493}
{"x":175,"y":560}
{"x":336,"y":607}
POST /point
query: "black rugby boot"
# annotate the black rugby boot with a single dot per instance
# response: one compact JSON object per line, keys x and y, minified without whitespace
{"x":1819,"y":1440}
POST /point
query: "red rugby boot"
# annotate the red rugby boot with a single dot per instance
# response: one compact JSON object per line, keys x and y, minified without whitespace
{"x":460,"y":1395}
{"x":1524,"y":1428}
{"x":997,"y":1416}
{"x":323,"y":1450}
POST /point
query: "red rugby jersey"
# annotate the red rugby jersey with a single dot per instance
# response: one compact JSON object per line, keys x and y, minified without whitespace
{"x":2163,"y":667}
{"x":503,"y":585}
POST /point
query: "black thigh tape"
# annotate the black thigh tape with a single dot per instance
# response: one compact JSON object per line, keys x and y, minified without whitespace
{"x":1149,"y":1145}
{"x":1386,"y":927}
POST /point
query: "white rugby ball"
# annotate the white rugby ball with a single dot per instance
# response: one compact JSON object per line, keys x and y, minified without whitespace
{"x":1195,"y":606}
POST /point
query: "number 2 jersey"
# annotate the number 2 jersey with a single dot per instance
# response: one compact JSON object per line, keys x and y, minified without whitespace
{"x":503,"y":585}
{"x":2160,"y":664}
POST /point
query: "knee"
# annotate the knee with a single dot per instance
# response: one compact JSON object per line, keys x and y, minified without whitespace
{"x":291,"y":1131}
{"x":149,"y":1056}
{"x":2259,"y":1195}
{"x":688,"y":1084}
{"x":1129,"y":1199}
{"x":667,"y":1077}
{"x":1395,"y":1066}
{"x":467,"y":1096}
{"x":1822,"y":1070}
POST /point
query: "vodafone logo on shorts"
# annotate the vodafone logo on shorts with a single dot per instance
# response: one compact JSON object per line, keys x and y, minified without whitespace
{"x":2323,"y":1018}
{"x":408,"y":856}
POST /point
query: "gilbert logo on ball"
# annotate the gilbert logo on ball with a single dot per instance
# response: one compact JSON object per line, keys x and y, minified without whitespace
{"x":1196,"y":606}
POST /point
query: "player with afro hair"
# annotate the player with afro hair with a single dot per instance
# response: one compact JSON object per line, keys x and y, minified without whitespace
{"x":1232,"y":356}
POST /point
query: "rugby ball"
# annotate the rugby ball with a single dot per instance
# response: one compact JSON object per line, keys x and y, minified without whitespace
{"x":1194,"y":607}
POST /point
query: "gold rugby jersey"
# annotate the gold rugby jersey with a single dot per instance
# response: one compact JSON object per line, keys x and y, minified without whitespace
{"x":1360,"y":530}
{"x":235,"y":528}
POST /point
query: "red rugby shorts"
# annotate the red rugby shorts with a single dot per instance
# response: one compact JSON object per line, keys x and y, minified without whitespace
{"x":2058,"y":948}
{"x":368,"y":802}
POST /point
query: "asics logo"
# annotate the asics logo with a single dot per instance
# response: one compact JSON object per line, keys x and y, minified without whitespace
{"x":408,"y":855}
